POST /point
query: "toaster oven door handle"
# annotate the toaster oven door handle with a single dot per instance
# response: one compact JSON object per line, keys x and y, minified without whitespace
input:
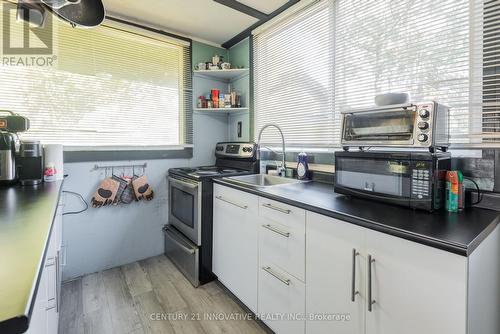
{"x":396,"y":107}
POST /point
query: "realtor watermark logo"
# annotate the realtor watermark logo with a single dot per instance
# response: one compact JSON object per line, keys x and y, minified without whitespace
{"x":24,"y":44}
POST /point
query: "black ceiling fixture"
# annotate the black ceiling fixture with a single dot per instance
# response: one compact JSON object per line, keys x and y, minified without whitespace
{"x":79,"y":13}
{"x":247,"y":32}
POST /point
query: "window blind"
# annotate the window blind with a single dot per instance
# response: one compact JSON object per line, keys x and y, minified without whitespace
{"x":108,"y":88}
{"x":293,"y":78}
{"x":446,"y":50}
{"x":420,"y":47}
{"x":491,"y":81}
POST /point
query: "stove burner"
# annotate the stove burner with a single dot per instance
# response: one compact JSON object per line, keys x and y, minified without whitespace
{"x":206,"y":172}
{"x":230,"y":171}
{"x":207,"y":168}
{"x":187,"y":169}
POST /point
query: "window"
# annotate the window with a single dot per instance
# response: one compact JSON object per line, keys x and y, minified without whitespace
{"x":431,"y":49}
{"x":108,"y":88}
{"x":491,"y":80}
{"x":293,"y":78}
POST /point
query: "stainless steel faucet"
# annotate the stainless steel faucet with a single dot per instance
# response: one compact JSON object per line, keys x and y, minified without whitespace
{"x":281,"y":169}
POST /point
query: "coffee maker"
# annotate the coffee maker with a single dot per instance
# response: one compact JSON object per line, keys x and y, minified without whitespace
{"x":30,"y":163}
{"x":10,"y":125}
{"x":7,"y":158}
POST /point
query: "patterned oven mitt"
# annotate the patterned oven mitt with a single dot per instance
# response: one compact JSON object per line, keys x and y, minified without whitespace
{"x":142,"y":188}
{"x":121,"y":188}
{"x":106,"y":193}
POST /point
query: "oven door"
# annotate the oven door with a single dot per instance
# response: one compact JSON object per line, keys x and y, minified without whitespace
{"x":385,"y":179}
{"x":185,"y":207}
{"x":381,"y":126}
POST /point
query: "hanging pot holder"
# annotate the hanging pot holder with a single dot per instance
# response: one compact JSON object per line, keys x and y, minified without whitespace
{"x":128,"y":195}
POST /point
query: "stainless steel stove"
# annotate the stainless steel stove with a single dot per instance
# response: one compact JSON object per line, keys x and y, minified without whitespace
{"x":188,"y":236}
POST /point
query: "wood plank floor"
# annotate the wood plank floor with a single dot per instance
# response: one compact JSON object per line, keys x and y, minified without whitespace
{"x":149,"y":296}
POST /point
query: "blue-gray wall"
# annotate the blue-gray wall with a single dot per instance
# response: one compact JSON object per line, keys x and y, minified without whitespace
{"x":111,"y":236}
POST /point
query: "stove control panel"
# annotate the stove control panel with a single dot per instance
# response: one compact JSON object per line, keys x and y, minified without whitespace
{"x":235,"y":150}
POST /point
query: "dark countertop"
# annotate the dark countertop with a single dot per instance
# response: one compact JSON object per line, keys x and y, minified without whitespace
{"x":26,"y":219}
{"x":459,"y":233}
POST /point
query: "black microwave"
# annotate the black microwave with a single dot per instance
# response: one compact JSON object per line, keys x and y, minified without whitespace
{"x":412,"y":179}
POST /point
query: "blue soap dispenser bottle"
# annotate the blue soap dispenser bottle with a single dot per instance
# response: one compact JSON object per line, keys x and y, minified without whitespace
{"x":302,"y":167}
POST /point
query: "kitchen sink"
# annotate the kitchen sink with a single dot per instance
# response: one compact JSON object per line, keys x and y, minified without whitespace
{"x":261,"y":180}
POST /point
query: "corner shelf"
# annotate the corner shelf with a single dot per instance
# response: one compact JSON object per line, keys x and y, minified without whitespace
{"x":219,"y":110}
{"x":224,"y":75}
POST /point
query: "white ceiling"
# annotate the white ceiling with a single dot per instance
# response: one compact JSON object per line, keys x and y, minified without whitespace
{"x":205,"y":20}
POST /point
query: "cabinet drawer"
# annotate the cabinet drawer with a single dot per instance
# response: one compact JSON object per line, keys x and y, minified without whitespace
{"x":283,"y":244}
{"x":281,"y":300}
{"x":237,"y":198}
{"x":280,"y":212}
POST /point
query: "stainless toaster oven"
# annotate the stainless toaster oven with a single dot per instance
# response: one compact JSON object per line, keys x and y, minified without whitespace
{"x":412,"y":179}
{"x":415,"y":125}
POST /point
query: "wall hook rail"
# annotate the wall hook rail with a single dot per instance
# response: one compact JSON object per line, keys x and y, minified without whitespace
{"x":96,"y":166}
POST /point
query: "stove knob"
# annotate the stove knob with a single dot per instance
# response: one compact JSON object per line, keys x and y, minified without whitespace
{"x":219,"y":148}
{"x":423,"y":125}
{"x":422,"y":137}
{"x":424,"y":113}
{"x":250,"y":149}
{"x":245,"y":149}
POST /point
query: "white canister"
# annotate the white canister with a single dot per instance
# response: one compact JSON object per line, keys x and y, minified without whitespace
{"x":54,"y":162}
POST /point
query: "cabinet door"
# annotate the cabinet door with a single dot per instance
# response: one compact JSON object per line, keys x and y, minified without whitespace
{"x":335,"y":259}
{"x":235,"y":255}
{"x":39,"y":321}
{"x":281,"y":300}
{"x":417,"y":289}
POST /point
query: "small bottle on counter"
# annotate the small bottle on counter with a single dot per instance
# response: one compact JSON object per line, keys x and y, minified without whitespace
{"x":461,"y":191}
{"x":452,"y":191}
{"x":303,"y":166}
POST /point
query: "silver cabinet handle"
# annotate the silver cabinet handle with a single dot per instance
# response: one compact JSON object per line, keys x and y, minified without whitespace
{"x":244,"y":207}
{"x":58,"y":279}
{"x":270,"y":206}
{"x":173,"y":237}
{"x":370,"y":300}
{"x":63,"y":249}
{"x":272,"y":273}
{"x":51,"y":262}
{"x":353,"y":283}
{"x":276,"y":230}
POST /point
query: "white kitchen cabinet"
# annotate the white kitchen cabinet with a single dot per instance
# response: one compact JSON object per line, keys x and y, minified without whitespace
{"x":39,"y":320}
{"x":235,"y":242}
{"x":45,"y":315}
{"x":282,"y":236}
{"x":281,"y":300}
{"x":407,"y":287}
{"x":335,"y":260}
{"x":414,"y":288}
{"x":417,"y":289}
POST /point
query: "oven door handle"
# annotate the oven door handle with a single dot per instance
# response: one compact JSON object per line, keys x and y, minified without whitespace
{"x":184,"y":184}
{"x":174,"y":237}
